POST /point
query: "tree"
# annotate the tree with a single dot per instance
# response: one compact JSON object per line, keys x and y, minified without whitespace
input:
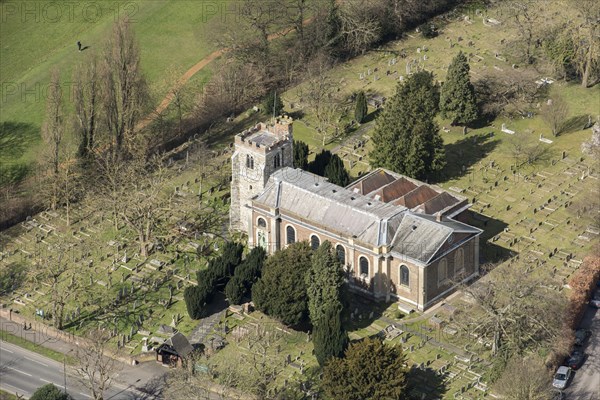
{"x":86,"y":100}
{"x":96,"y":368}
{"x":123,"y":86}
{"x":54,"y":124}
{"x":321,"y":161}
{"x":144,"y":204}
{"x":525,"y":379}
{"x":360,"y":111}
{"x":525,"y":16}
{"x":411,"y":111}
{"x":281,"y":291}
{"x":336,"y":172}
{"x":585,"y":40}
{"x":370,"y":370}
{"x":359,"y":29}
{"x":457,"y":97}
{"x":324,"y":285}
{"x":272,"y":104}
{"x":428,"y":30}
{"x":509,"y":298}
{"x":555,"y":113}
{"x":49,"y":392}
{"x":300,"y":155}
{"x":246,"y":274}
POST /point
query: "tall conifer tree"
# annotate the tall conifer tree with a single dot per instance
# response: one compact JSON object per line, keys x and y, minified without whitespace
{"x":411,"y":111}
{"x":457,"y":99}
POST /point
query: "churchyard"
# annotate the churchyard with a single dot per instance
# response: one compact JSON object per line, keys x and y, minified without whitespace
{"x":102,"y":279}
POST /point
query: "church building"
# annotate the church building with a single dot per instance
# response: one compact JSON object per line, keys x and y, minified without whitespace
{"x":397,"y":238}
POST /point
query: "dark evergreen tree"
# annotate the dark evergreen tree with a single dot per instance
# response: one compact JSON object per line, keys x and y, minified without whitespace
{"x":410,"y":111}
{"x":318,"y":165}
{"x":370,"y":370}
{"x":428,"y":30}
{"x":361,"y":110}
{"x":281,"y":291}
{"x":49,"y":392}
{"x":246,"y":274}
{"x":194,"y":301}
{"x":329,"y":336}
{"x":457,"y":98}
{"x":336,"y":172}
{"x":300,"y":155}
{"x":273,"y":105}
{"x":324,"y":286}
{"x":333,"y":31}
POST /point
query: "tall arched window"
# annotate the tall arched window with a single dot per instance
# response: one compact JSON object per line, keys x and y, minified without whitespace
{"x":290,"y":235}
{"x":364,"y":265}
{"x":442,"y":270}
{"x":277,"y":161}
{"x":404,"y":276}
{"x":341,"y":254}
{"x":249,"y":161}
{"x":459,"y":261}
{"x":315,"y":242}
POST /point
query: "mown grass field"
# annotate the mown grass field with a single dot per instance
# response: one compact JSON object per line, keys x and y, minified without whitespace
{"x":40,"y":36}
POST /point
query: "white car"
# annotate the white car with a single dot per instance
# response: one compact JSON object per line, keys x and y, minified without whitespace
{"x":561,"y":378}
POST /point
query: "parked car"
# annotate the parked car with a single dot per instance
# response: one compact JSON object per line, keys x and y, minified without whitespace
{"x":595,"y":303}
{"x":561,"y":378}
{"x":581,"y":336}
{"x":576,"y":359}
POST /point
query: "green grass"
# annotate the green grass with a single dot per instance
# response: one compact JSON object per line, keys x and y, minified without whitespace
{"x":26,"y":344}
{"x":172,"y":36}
{"x":7,"y":396}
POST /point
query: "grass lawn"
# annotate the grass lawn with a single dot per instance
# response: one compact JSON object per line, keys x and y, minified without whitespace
{"x":37,"y":37}
{"x":26,"y":344}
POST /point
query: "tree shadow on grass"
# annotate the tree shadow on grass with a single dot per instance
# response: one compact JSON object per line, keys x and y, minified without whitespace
{"x":465,"y":153}
{"x":16,"y":138}
{"x":425,"y":384}
{"x":575,"y":124}
{"x":364,"y":310}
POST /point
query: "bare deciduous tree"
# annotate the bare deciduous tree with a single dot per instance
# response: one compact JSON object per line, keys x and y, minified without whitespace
{"x":96,"y":368}
{"x":555,"y":113}
{"x":525,"y":379}
{"x":144,"y":203}
{"x":86,"y":93}
{"x":586,"y":38}
{"x":359,"y":29}
{"x":319,"y":94}
{"x":123,"y":86}
{"x":510,"y":313}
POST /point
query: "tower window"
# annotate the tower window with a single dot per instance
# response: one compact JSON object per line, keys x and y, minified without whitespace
{"x":277,"y":161}
{"x":262,"y":223}
{"x":249,"y":161}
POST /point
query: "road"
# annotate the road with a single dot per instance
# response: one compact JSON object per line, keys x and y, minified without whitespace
{"x":585,"y":384}
{"x":23,"y":372}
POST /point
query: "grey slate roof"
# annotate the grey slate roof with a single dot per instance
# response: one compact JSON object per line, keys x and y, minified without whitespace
{"x":343,"y":211}
{"x":181,"y":345}
{"x":313,"y":198}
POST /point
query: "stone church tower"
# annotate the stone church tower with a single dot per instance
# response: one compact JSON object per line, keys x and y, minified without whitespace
{"x":259,"y":151}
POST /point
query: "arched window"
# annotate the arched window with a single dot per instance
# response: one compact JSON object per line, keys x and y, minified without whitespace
{"x":290,"y":234}
{"x":364,"y":266}
{"x":459,"y":261}
{"x":277,"y":161}
{"x":249,"y":161}
{"x":442,"y":270}
{"x":261,"y":239}
{"x":404,"y":277}
{"x":341,"y":254}
{"x":315,"y":242}
{"x":262,"y":223}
